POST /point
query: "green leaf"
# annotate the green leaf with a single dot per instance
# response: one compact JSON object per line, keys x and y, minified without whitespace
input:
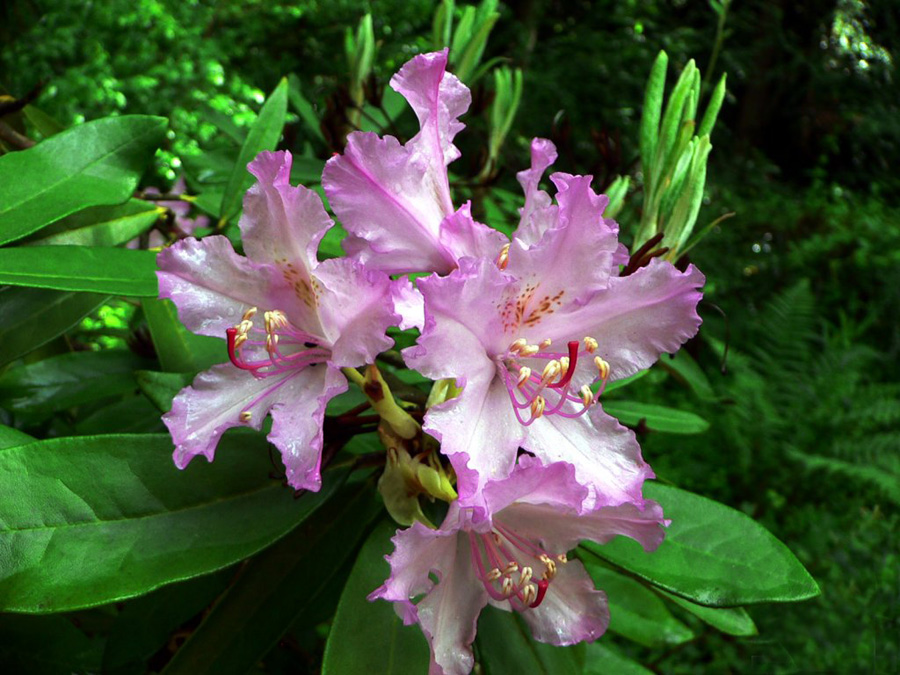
{"x":671,"y":122}
{"x":101,"y":225}
{"x":130,"y":415}
{"x":161,"y":388}
{"x":43,"y":123}
{"x":263,"y":135}
{"x":146,"y":623}
{"x":46,"y":645}
{"x":712,"y":110}
{"x":685,"y":369}
{"x":99,"y":162}
{"x":504,"y":645}
{"x":624,"y":382}
{"x":653,"y":100}
{"x":31,"y":317}
{"x":304,"y":108}
{"x":68,"y":380}
{"x":603,"y":660}
{"x":277,"y":586}
{"x":179,"y":350}
{"x":90,"y":520}
{"x":656,"y":417}
{"x":730,"y":620}
{"x":13,"y":438}
{"x":368,"y":637}
{"x":114,"y":271}
{"x":712,"y":555}
{"x":636,"y":612}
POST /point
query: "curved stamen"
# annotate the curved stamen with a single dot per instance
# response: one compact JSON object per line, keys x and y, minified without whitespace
{"x":277,"y":333}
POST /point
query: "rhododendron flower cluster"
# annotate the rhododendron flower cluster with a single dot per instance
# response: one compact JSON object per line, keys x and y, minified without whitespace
{"x":520,"y":334}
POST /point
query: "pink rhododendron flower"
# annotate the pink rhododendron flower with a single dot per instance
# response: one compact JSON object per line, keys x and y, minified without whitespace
{"x":290,"y":323}
{"x":515,"y":560}
{"x":395,"y":199}
{"x":527,"y":333}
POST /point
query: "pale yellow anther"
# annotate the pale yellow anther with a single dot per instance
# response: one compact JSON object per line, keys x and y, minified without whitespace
{"x":503,"y":258}
{"x":246,"y":416}
{"x":551,"y":370}
{"x":239,"y":339}
{"x":529,"y":350}
{"x":271,"y":343}
{"x":529,"y":594}
{"x":563,"y":558}
{"x":249,"y":314}
{"x":602,"y":366}
{"x":508,"y":586}
{"x":494,"y":574}
{"x":564,"y":366}
{"x":537,"y":406}
{"x":544,"y":558}
{"x":545,"y":343}
{"x":518,"y":345}
{"x":591,"y":344}
{"x":525,"y":576}
{"x":551,"y":570}
{"x":524,"y":374}
{"x":244,"y":327}
{"x":587,"y":396}
{"x":511,"y":566}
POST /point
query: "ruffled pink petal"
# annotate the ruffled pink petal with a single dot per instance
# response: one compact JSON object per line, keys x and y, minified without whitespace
{"x":639,"y":316}
{"x":559,"y":530}
{"x":553,"y":486}
{"x":438,"y":99}
{"x":282,"y":224}
{"x":606,"y":455}
{"x":537,"y":216}
{"x":297,"y":423}
{"x":355,"y":307}
{"x":408,"y":303}
{"x":201,"y":413}
{"x":463,"y":236}
{"x":383,"y":195}
{"x":573,"y":610}
{"x":479,"y":433}
{"x":572,"y":259}
{"x":212,"y":286}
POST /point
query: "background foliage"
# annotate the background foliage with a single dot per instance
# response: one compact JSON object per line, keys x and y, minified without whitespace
{"x":795,"y":369}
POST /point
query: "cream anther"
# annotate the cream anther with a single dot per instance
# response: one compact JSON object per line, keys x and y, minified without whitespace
{"x":518,"y":345}
{"x":524,"y":374}
{"x":529,"y":350}
{"x":551,"y":370}
{"x":503,"y":258}
{"x":564,"y":366}
{"x":529,"y":594}
{"x":602,"y":366}
{"x":525,"y":576}
{"x":511,"y":566}
{"x":545,"y":343}
{"x":246,"y":416}
{"x":537,"y":406}
{"x":587,"y":396}
{"x":590,"y":344}
{"x":494,"y":574}
{"x":562,"y":558}
{"x":249,"y":314}
{"x":508,"y":586}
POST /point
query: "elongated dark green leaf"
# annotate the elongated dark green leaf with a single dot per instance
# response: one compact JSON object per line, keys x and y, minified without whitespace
{"x":31,"y":317}
{"x":263,"y":135}
{"x":653,"y":100}
{"x":101,"y":225}
{"x":114,"y":271}
{"x":130,"y":415}
{"x":99,"y":162}
{"x":712,"y":555}
{"x":277,"y":586}
{"x":603,"y":660}
{"x":685,"y":369}
{"x":69,"y":379}
{"x":45,"y":125}
{"x":161,"y":388}
{"x":712,"y":109}
{"x":145,"y":624}
{"x":179,"y":350}
{"x":505,"y":646}
{"x":304,"y":108}
{"x":12,"y":438}
{"x":730,"y":620}
{"x":656,"y":417}
{"x":624,"y":382}
{"x":46,"y":645}
{"x":90,"y":520}
{"x":368,"y":637}
{"x":636,"y":612}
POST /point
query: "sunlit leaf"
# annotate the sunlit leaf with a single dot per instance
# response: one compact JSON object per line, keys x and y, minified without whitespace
{"x":656,"y":417}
